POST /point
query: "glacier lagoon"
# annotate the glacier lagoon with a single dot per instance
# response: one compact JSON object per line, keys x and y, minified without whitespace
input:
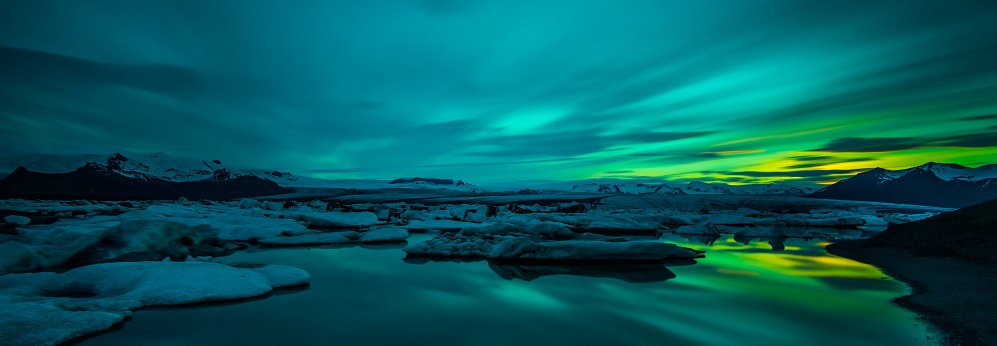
{"x":743,"y":294}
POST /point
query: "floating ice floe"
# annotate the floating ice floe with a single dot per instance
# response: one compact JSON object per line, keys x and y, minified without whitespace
{"x":523,"y":237}
{"x":438,"y":225}
{"x":331,"y":219}
{"x":52,"y":308}
{"x":17,"y":220}
{"x":312,"y":239}
{"x":383,"y":235}
{"x":477,"y":241}
{"x":98,"y":241}
{"x":376,"y":235}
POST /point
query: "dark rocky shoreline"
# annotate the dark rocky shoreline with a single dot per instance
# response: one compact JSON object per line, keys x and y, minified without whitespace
{"x":948,"y":260}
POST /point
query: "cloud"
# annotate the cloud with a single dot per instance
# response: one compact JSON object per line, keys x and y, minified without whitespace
{"x":791,"y":168}
{"x":974,"y":140}
{"x":22,"y":68}
{"x":981,"y":117}
{"x":798,"y":173}
{"x":812,"y":158}
{"x":570,"y":144}
{"x":873,"y":144}
{"x":813,"y":161}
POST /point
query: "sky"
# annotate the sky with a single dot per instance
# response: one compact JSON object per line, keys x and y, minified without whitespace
{"x":751,"y":91}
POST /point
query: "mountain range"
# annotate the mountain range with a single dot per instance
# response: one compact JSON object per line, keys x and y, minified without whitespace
{"x":447,"y":184}
{"x":692,"y":188}
{"x":932,"y":184}
{"x":110,"y":182}
{"x":159,"y":165}
{"x":160,"y":176}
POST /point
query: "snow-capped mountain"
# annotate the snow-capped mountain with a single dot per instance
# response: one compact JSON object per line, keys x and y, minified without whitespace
{"x":933,"y":184}
{"x":436,"y":183}
{"x":178,"y":169}
{"x":157,"y":165}
{"x":98,"y":181}
{"x":638,"y":188}
{"x":692,"y":188}
{"x":696,"y":187}
{"x":948,"y":172}
{"x":770,"y":189}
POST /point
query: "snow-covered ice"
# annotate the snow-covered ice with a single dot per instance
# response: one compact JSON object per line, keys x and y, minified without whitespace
{"x":312,"y":239}
{"x":329,"y":219}
{"x":52,"y":308}
{"x":17,"y":220}
{"x":383,"y":235}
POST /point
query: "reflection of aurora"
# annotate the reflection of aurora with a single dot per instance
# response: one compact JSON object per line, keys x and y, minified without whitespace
{"x":803,"y":272}
{"x":806,"y":261}
{"x":737,"y":295}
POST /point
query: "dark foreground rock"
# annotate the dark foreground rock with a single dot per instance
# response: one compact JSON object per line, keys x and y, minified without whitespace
{"x":949,"y":262}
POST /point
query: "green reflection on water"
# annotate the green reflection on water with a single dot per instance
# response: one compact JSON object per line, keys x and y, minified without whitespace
{"x":738,"y":295}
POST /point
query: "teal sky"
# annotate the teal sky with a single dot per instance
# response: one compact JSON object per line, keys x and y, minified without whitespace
{"x":733,"y":91}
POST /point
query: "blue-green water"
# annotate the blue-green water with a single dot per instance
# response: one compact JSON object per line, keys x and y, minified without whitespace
{"x":738,"y":295}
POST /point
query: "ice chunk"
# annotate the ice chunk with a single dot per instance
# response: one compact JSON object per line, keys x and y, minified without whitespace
{"x":479,"y":240}
{"x":78,"y":243}
{"x":250,"y":203}
{"x":273,"y":205}
{"x":140,"y":240}
{"x":246,"y":228}
{"x":312,"y":239}
{"x":17,"y":220}
{"x":52,"y":308}
{"x":460,"y":244}
{"x":331,"y":219}
{"x":381,"y":235}
{"x":441,"y":225}
{"x":703,"y":228}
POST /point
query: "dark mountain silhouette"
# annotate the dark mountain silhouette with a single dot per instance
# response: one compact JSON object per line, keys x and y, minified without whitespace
{"x":95,"y":181}
{"x":428,"y":181}
{"x":932,"y":184}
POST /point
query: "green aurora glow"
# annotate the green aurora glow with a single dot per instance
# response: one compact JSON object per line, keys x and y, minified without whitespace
{"x":486,"y":91}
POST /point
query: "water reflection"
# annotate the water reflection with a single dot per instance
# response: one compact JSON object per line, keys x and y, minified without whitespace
{"x":634,"y":273}
{"x":627,"y":272}
{"x":739,"y":295}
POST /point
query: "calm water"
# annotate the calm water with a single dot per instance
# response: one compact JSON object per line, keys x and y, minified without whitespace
{"x":738,"y":295}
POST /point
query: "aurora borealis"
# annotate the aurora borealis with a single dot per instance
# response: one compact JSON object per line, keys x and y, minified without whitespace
{"x":727,"y":91}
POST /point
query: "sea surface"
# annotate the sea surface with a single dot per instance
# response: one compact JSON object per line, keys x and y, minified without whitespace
{"x":740,"y":294}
